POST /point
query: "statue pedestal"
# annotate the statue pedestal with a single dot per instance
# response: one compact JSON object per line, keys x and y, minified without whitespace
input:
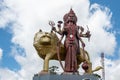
{"x":65,"y":77}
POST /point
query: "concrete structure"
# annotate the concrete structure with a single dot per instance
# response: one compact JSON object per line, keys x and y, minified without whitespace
{"x":65,"y":77}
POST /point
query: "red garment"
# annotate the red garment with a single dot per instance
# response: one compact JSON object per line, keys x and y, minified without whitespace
{"x":72,"y":47}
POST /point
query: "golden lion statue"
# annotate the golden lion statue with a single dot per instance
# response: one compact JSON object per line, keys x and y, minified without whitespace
{"x":46,"y":46}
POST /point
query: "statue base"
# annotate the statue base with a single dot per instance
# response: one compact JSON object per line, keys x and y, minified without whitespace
{"x":65,"y":77}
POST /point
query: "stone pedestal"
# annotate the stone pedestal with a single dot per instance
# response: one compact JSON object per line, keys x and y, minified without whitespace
{"x":65,"y":77}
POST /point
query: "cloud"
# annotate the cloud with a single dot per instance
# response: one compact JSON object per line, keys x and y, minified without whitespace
{"x":1,"y":53}
{"x":6,"y":15}
{"x":6,"y":73}
{"x":99,"y":22}
{"x":30,"y":16}
{"x":111,"y":69}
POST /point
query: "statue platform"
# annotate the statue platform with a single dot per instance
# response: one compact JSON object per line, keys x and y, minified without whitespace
{"x":65,"y":77}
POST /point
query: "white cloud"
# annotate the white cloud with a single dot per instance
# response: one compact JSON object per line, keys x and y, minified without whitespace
{"x":101,"y":40}
{"x":32,"y":15}
{"x":6,"y":15}
{"x":8,"y":74}
{"x":1,"y":53}
{"x":112,"y":68}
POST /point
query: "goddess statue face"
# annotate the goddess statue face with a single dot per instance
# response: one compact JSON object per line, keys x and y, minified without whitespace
{"x":70,"y":17}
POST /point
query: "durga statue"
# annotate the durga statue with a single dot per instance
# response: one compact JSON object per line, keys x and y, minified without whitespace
{"x":72,"y":37}
{"x":50,"y":47}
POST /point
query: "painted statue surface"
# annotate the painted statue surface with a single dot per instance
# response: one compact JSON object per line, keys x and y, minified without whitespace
{"x":46,"y":45}
{"x":71,"y":43}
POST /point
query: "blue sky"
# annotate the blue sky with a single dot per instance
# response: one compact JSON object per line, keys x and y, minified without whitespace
{"x":19,"y":22}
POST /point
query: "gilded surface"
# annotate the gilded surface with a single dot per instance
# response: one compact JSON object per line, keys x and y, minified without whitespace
{"x":46,"y":46}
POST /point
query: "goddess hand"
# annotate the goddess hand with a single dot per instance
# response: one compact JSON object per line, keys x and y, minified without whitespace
{"x":83,"y":44}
